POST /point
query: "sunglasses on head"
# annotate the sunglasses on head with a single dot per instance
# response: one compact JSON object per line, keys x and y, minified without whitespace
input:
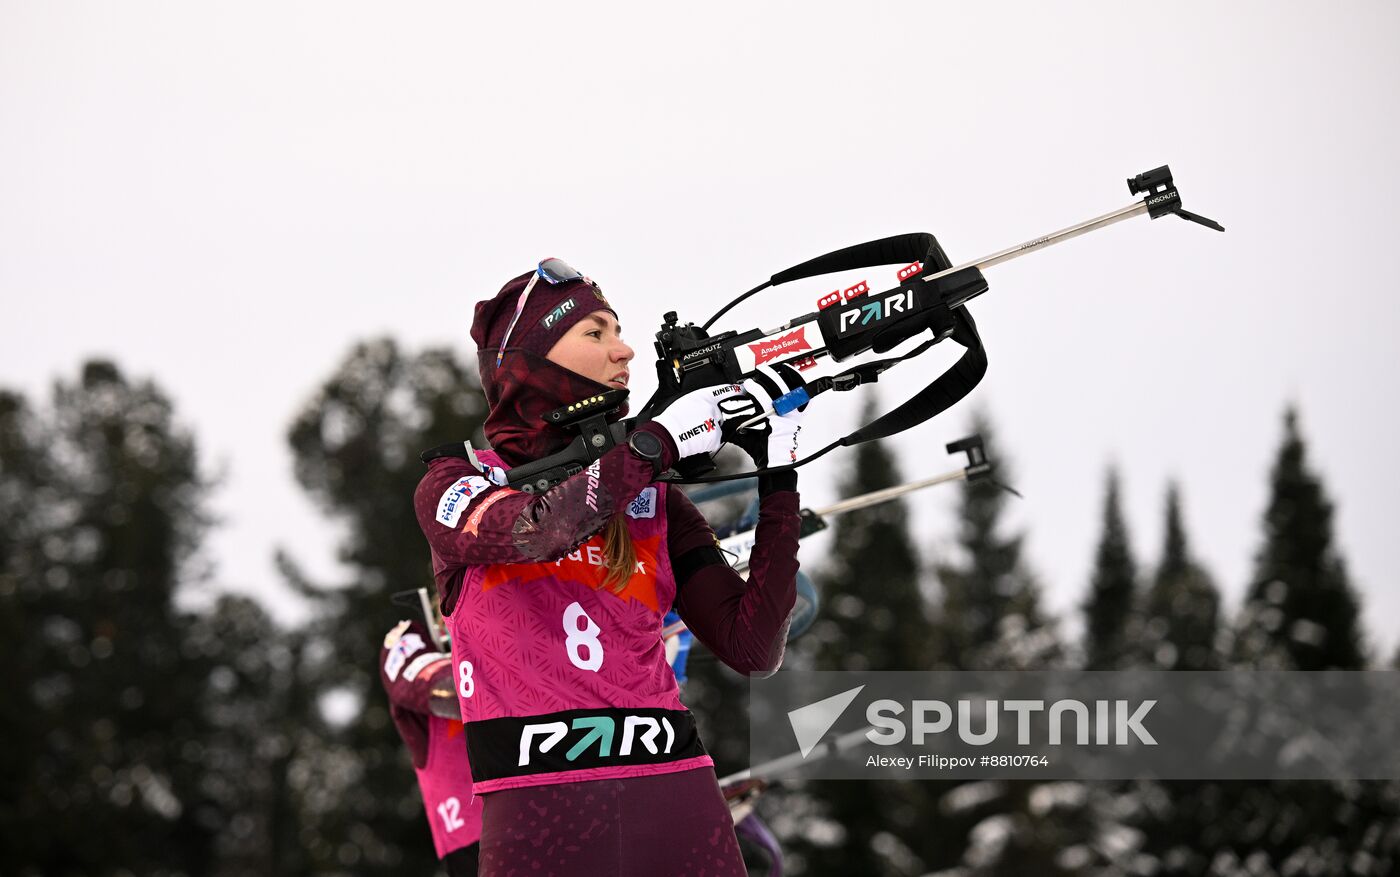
{"x":555,"y":272}
{"x":558,"y":271}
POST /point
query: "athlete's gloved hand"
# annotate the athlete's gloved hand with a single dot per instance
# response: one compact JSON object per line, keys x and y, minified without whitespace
{"x":694,"y":420}
{"x":773,"y":441}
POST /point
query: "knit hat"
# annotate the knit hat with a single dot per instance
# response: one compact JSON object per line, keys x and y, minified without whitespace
{"x":548,"y":312}
{"x":521,"y":384}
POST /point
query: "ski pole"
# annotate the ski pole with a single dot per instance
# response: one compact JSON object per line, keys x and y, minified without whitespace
{"x":794,"y":760}
{"x":741,"y":544}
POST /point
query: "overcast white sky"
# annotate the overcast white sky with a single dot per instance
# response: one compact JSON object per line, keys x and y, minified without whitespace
{"x":226,"y":196}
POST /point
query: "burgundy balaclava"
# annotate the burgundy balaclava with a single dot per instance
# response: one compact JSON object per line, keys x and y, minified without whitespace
{"x":526,"y":385}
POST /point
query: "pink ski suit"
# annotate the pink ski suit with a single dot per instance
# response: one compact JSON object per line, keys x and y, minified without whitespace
{"x":563,"y":684}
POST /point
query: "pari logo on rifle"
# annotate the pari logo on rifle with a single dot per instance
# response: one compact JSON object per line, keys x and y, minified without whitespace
{"x":868,"y":313}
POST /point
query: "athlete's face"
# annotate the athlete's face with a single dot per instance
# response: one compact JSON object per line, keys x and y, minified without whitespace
{"x":593,"y":347}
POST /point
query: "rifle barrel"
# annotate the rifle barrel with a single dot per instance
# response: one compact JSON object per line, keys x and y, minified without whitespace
{"x":1044,"y":241}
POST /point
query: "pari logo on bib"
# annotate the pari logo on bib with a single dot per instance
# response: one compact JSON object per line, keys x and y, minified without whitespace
{"x":455,"y":498}
{"x":644,"y":506}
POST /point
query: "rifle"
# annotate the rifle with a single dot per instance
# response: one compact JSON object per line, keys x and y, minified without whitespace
{"x":930,"y":299}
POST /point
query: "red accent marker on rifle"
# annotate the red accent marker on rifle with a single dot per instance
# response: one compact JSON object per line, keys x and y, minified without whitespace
{"x":855,"y":291}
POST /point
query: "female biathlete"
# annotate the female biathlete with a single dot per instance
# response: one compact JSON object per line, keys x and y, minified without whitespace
{"x":418,"y":680}
{"x":579,"y":744}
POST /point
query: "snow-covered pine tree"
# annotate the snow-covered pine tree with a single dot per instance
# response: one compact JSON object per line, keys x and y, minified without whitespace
{"x":988,"y":608}
{"x":96,"y":542}
{"x":1182,"y":606}
{"x":1110,"y":610}
{"x":1300,"y":611}
{"x":873,"y":615}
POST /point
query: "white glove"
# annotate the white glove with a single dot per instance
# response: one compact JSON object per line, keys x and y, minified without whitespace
{"x":694,"y":420}
{"x":770,"y":442}
{"x":782,"y":438}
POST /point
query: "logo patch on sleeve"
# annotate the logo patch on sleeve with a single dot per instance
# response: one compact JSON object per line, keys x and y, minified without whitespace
{"x":454,"y":500}
{"x":644,"y":506}
{"x":474,"y":522}
{"x":407,"y":645}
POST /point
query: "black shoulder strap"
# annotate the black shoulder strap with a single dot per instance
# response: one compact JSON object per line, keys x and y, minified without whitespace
{"x":451,"y":449}
{"x":946,"y":390}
